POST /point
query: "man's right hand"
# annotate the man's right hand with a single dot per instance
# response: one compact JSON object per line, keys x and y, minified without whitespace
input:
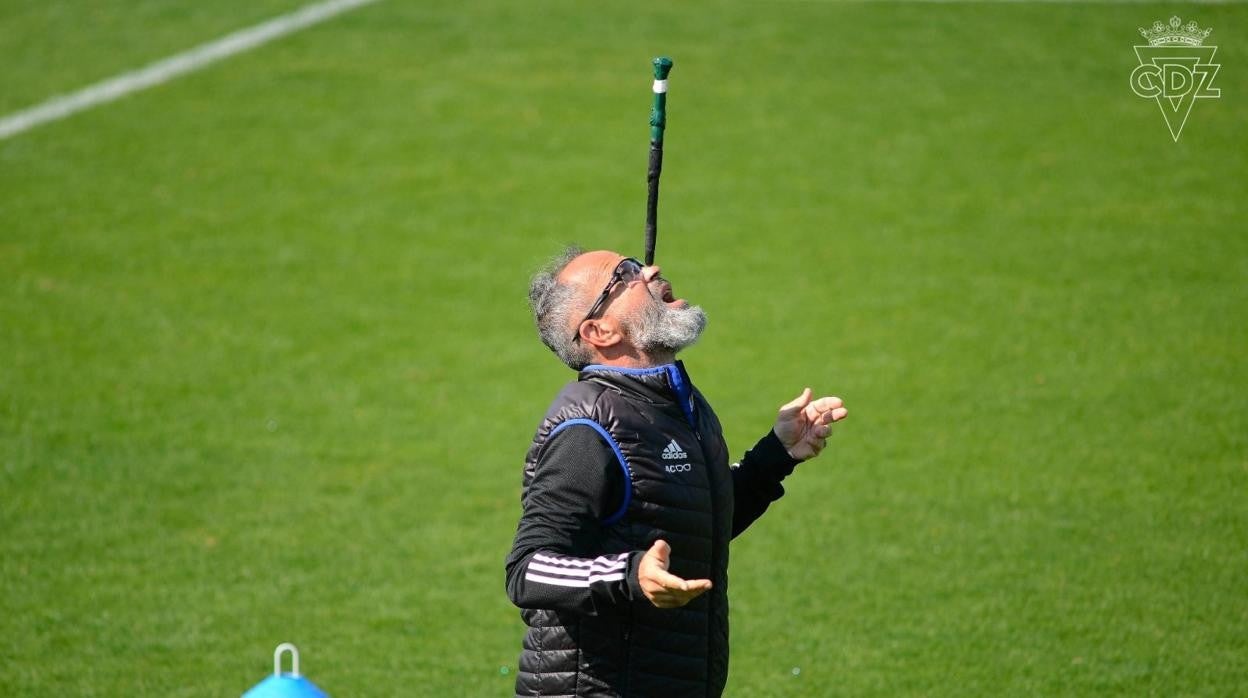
{"x":663,"y":589}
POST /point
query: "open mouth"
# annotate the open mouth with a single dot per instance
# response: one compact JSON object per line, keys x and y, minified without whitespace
{"x":665,"y":293}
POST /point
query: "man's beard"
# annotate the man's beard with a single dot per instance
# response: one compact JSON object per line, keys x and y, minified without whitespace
{"x":661,"y":328}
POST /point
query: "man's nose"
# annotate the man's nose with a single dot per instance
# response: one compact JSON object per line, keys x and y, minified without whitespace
{"x":650,"y":273}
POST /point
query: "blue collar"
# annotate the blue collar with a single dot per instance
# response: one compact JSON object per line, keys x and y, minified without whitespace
{"x":671,"y":376}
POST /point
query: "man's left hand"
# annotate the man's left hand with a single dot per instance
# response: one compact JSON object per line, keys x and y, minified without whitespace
{"x":804,"y":425}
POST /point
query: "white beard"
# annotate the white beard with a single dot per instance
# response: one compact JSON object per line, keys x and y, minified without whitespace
{"x":661,"y":328}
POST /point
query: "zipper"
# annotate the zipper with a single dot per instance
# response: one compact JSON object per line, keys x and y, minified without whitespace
{"x":715,"y":481}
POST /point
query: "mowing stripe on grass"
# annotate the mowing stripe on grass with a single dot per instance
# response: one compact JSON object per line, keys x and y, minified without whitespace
{"x":1015,"y":2}
{"x":174,"y":66}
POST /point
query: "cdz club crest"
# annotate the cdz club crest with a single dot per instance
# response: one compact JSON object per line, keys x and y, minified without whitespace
{"x":1176,"y":69}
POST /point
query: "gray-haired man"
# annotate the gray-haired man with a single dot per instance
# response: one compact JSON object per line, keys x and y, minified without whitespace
{"x":620,"y":561}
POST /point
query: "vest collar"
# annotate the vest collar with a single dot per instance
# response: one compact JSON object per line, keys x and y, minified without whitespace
{"x":664,"y":383}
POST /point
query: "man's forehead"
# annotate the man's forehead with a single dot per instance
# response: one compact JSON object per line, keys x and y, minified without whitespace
{"x":590,"y":266}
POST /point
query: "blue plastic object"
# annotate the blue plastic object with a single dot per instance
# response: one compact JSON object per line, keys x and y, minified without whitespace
{"x":281,"y":685}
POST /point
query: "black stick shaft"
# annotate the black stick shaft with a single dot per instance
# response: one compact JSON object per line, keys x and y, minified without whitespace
{"x":652,"y":198}
{"x":658,"y":122}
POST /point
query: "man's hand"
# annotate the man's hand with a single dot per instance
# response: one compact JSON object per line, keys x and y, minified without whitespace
{"x":663,"y":589}
{"x":804,"y":426}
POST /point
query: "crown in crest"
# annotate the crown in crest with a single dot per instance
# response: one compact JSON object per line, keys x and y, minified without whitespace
{"x":1175,"y":33}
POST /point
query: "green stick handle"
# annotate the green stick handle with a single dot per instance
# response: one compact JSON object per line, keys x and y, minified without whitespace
{"x":658,"y":122}
{"x":658,"y":112}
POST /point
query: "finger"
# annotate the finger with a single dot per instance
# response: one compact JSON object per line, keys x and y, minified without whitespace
{"x":824,"y":404}
{"x":697,"y":586}
{"x":795,"y":405}
{"x":689,"y":589}
{"x":676,"y":599}
{"x":669,"y":581}
{"x":811,"y":413}
{"x":837,"y":414}
{"x":661,"y":552}
{"x":821,"y":407}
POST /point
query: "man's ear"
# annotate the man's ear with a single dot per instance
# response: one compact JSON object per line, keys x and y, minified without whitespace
{"x":601,"y":333}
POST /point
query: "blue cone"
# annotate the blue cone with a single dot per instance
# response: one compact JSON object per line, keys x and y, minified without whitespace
{"x":285,"y":685}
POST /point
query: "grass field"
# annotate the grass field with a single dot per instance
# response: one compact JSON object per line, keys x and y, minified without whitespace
{"x":267,"y":372}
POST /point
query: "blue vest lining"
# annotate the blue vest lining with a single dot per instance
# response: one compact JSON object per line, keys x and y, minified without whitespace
{"x":624,"y":369}
{"x":683,"y":393}
{"x":628,"y":476}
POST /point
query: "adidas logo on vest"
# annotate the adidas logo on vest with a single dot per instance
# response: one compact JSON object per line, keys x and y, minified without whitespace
{"x":673,"y":451}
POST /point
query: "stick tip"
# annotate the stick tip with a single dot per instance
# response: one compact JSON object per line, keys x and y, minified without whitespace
{"x":662,"y":66}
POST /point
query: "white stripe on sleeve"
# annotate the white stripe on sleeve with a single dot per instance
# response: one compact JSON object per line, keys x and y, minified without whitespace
{"x":561,"y":582}
{"x":574,"y":571}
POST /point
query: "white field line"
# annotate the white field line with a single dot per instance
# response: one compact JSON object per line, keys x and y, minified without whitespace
{"x":174,"y":66}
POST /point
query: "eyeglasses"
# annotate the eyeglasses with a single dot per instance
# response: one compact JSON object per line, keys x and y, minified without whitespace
{"x":627,"y":270}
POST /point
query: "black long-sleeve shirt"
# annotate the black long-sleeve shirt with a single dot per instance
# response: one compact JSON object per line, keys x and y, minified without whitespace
{"x":556,"y":561}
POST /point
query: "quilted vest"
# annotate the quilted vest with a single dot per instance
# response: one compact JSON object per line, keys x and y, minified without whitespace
{"x":680,"y":490}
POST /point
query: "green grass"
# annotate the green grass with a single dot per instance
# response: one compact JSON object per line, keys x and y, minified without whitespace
{"x":57,"y":47}
{"x":267,"y":374}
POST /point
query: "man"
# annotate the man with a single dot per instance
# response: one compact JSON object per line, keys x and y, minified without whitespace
{"x":620,"y":561}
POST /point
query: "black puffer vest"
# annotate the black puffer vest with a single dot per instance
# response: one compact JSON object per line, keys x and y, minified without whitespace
{"x":680,"y":490}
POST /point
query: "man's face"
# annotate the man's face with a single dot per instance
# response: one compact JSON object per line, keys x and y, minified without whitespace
{"x":642,"y":308}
